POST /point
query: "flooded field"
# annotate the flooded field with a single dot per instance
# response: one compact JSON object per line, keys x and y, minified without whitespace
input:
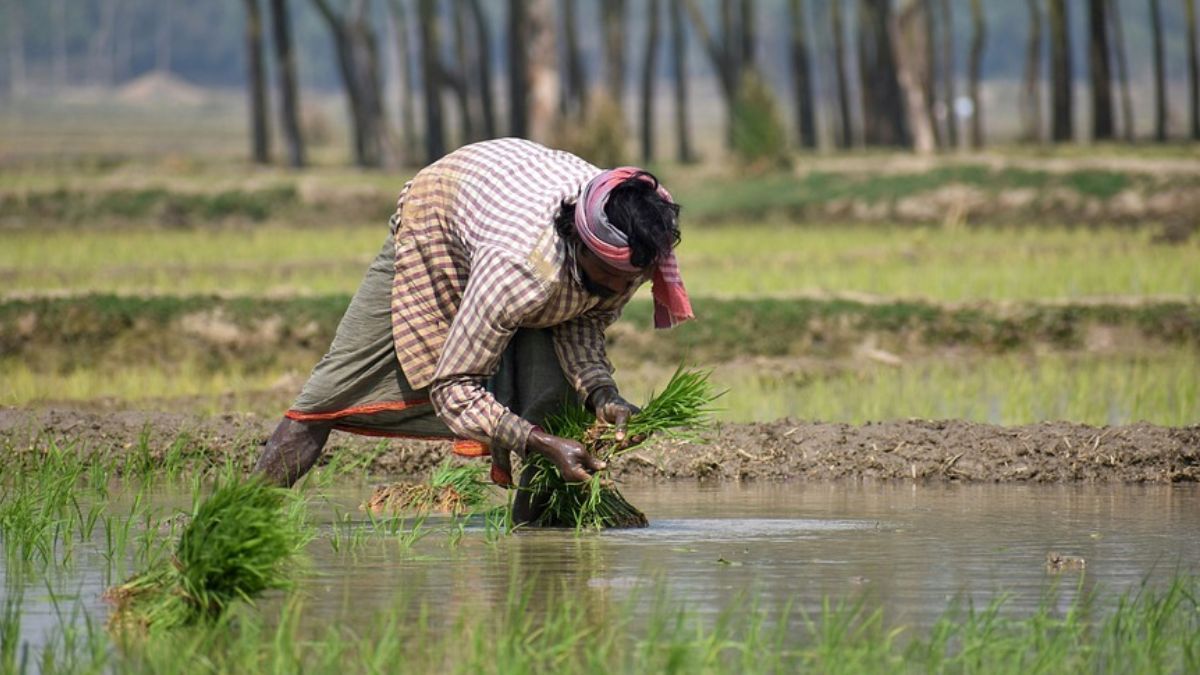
{"x":908,"y":549}
{"x":911,"y":551}
{"x":959,"y":432}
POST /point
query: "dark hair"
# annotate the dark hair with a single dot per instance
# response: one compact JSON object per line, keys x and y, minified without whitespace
{"x":635,"y":208}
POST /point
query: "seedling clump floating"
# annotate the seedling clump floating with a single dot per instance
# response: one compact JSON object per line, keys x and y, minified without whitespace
{"x":240,"y":542}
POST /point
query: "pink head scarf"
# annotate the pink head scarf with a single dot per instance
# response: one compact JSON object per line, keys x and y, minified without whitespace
{"x":671,"y":304}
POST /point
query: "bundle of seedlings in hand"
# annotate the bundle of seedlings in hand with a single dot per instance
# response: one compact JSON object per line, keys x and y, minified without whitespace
{"x":684,"y":403}
{"x":451,"y":489}
{"x":238,"y":544}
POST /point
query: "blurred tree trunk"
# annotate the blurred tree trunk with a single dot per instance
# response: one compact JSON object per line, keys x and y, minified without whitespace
{"x":162,"y":47}
{"x":1031,"y":89}
{"x":683,"y":141}
{"x":285,"y":70}
{"x":123,"y":42}
{"x":613,"y":23}
{"x":459,"y":78}
{"x":1062,"y":127}
{"x":802,"y":81}
{"x":929,"y":77}
{"x":101,"y":54}
{"x":543,"y":70}
{"x":16,"y":48}
{"x":260,"y":133}
{"x":731,"y":33}
{"x":484,"y":69}
{"x":1160,"y":83}
{"x":883,"y":105}
{"x":749,"y":39}
{"x":649,"y":71}
{"x":431,"y":79}
{"x":1189,"y":13}
{"x":1099,"y":72}
{"x":974,"y":70}
{"x":402,"y":44}
{"x":358,"y":64}
{"x":574,"y":100}
{"x":1118,"y":38}
{"x":724,"y":53}
{"x":948,"y":71}
{"x":907,"y":31}
{"x":58,"y":24}
{"x":518,"y":69}
{"x":845,"y":132}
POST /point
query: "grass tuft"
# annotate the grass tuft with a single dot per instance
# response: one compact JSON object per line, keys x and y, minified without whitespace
{"x":238,"y":544}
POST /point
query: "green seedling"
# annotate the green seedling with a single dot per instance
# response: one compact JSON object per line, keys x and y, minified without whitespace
{"x":240,"y":542}
{"x":685,"y":403}
{"x":454,"y":489}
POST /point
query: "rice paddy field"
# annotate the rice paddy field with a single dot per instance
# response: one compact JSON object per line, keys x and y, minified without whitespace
{"x":997,"y":355}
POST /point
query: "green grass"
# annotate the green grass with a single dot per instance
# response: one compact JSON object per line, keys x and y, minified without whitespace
{"x":936,"y":264}
{"x":803,"y":197}
{"x":964,"y":264}
{"x":272,"y":259}
{"x":39,"y":511}
{"x":1160,"y":388}
{"x":132,"y":347}
{"x":1148,"y":630}
{"x":149,"y":382}
{"x":149,"y":204}
{"x":57,"y":501}
{"x":1015,"y":388}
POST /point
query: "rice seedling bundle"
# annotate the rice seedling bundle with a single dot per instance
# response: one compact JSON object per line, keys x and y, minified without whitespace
{"x":239,"y":543}
{"x":451,"y":489}
{"x":685,"y":403}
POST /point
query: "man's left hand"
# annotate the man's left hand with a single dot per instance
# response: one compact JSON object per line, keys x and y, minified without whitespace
{"x":610,"y":408}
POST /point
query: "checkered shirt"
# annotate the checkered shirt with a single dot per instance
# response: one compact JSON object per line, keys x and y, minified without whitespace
{"x":477,"y":257}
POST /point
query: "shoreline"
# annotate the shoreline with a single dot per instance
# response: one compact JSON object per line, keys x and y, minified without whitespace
{"x":913,"y":450}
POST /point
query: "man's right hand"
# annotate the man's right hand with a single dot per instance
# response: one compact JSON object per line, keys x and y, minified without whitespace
{"x":573,"y":460}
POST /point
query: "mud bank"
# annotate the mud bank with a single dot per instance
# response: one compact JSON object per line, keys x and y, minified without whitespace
{"x":920,"y":450}
{"x":58,"y":333}
{"x":874,"y":190}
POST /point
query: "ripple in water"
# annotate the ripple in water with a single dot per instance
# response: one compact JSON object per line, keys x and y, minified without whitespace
{"x":739,"y":529}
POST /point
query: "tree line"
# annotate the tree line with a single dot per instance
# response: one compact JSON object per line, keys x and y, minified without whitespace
{"x":892,"y":71}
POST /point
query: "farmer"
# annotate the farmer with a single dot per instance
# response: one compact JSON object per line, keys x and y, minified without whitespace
{"x":487,"y":307}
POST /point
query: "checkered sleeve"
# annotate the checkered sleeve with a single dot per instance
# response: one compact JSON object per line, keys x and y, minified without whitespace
{"x":579,"y":344}
{"x":500,"y":292}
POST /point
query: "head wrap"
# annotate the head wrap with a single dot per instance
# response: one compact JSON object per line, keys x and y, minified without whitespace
{"x":611,"y":245}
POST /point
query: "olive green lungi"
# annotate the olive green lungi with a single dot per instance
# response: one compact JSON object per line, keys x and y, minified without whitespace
{"x":360,"y":386}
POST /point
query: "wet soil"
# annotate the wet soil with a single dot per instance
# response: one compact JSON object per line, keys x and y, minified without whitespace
{"x":934,"y":450}
{"x":922,"y":450}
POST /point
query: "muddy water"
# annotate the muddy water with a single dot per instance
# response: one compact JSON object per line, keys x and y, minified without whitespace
{"x":906,"y":548}
{"x":910,"y":549}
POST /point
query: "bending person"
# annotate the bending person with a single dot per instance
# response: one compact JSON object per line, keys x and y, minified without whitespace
{"x":487,"y":307}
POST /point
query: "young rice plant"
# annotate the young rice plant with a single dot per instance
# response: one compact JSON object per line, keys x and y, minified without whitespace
{"x":685,"y":403}
{"x":453,"y":489}
{"x":239,"y":542}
